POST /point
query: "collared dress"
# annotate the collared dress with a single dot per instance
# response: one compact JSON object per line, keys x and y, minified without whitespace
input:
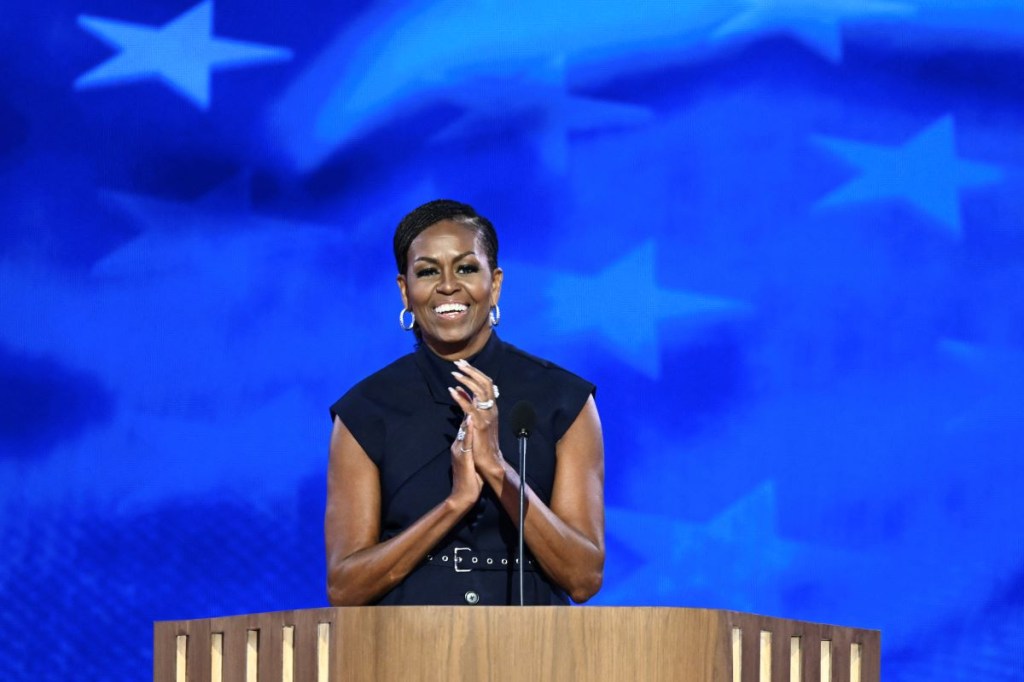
{"x":405,"y":420}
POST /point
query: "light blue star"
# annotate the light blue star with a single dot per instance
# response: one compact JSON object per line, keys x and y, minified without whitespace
{"x":624,"y":304}
{"x":816,"y":24}
{"x":181,"y":53}
{"x":924,"y":171}
{"x":737,"y":554}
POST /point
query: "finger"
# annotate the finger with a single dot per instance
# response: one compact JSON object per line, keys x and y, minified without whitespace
{"x":475,"y":387}
{"x":470,"y":369}
{"x":467,"y":442}
{"x":475,"y":373}
{"x":462,"y":398}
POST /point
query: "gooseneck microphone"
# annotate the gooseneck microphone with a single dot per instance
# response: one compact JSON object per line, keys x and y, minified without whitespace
{"x":523,"y":418}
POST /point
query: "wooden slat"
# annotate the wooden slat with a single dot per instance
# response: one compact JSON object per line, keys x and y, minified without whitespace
{"x":270,"y":646}
{"x":795,"y":662}
{"x":288,"y":653}
{"x":216,"y":657}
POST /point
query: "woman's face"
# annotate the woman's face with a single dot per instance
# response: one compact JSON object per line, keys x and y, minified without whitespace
{"x":450,"y":287}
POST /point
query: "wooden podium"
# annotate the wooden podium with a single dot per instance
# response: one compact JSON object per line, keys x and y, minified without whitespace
{"x":558,"y":643}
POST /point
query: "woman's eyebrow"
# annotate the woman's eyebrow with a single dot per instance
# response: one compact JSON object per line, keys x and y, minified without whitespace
{"x":435,"y":261}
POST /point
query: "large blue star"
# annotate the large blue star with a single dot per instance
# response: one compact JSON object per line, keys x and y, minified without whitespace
{"x":624,"y":304}
{"x":816,"y":24}
{"x":924,"y":171}
{"x":181,"y":53}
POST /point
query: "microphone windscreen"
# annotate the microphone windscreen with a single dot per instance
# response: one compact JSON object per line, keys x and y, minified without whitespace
{"x":523,"y":418}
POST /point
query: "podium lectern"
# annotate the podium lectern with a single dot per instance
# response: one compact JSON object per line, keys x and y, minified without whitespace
{"x":406,"y":643}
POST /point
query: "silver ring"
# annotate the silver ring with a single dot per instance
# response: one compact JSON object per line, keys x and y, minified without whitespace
{"x":497,"y":393}
{"x":483,"y":404}
{"x":465,"y":449}
{"x":461,"y":435}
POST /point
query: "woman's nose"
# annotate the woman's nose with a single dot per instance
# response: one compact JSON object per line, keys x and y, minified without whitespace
{"x":448,"y":282}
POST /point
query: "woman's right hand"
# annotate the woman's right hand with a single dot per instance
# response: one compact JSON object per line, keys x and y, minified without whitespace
{"x":466,"y":482}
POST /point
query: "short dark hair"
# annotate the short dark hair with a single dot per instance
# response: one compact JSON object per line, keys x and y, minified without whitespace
{"x":433,"y":212}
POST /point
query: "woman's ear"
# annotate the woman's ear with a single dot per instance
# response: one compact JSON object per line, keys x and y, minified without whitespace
{"x":497,"y":277}
{"x":401,"y":288}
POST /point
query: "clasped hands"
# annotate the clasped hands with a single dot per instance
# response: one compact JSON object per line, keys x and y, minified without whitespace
{"x":477,"y":456}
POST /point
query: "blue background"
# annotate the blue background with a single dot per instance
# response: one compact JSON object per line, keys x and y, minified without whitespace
{"x":784,"y":237}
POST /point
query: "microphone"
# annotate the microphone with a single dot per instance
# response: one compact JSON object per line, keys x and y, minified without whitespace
{"x":523,"y":418}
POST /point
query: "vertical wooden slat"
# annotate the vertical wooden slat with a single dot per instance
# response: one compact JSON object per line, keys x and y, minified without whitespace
{"x":780,"y":649}
{"x":199,"y":650}
{"x":811,"y":664}
{"x":252,"y":655}
{"x":305,"y":645}
{"x":216,"y":657}
{"x":163,"y":651}
{"x":323,"y":652}
{"x":764,"y":658}
{"x":841,"y":640}
{"x":795,"y":658}
{"x":751,"y":651}
{"x":871,"y":655}
{"x":826,"y":661}
{"x":234,"y":648}
{"x":288,"y":653}
{"x":855,"y":662}
{"x":270,"y":646}
{"x":737,"y":655}
{"x":181,"y":658}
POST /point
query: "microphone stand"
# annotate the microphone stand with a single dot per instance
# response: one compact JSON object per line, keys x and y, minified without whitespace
{"x":522,"y":505}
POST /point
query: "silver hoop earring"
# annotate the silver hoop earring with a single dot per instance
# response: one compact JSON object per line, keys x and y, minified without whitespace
{"x":412,"y":319}
{"x":495,"y":315}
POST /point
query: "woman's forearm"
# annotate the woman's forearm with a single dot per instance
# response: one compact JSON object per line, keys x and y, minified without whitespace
{"x":367,"y":574}
{"x":571,"y":559}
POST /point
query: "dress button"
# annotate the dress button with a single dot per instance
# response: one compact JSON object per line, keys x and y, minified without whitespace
{"x":472,"y":597}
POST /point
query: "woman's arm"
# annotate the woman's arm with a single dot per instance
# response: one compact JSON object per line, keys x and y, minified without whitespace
{"x":567,"y":537}
{"x":360,"y":568}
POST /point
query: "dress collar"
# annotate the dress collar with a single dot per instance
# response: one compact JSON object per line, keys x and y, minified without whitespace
{"x":437,"y":372}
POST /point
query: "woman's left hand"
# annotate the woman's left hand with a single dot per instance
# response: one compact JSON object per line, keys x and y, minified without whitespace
{"x":478,"y":396}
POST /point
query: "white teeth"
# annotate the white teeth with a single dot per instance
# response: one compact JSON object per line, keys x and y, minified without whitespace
{"x":450,"y":308}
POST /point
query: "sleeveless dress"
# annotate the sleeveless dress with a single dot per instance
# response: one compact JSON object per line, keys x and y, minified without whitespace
{"x":406,"y":421}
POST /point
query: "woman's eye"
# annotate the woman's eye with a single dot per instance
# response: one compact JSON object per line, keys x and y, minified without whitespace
{"x":426,"y":272}
{"x":468,"y":269}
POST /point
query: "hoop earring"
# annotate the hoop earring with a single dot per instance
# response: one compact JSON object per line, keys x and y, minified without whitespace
{"x":495,"y":315}
{"x":412,"y":319}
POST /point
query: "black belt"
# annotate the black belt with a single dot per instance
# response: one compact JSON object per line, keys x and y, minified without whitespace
{"x":465,"y":560}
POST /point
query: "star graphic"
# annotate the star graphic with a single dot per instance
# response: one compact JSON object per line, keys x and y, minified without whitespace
{"x":181,"y":53}
{"x":624,"y":304}
{"x":925,"y":171}
{"x":816,"y":24}
{"x":737,"y":553}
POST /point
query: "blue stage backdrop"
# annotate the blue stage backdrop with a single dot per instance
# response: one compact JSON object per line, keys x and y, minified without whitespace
{"x":784,"y":237}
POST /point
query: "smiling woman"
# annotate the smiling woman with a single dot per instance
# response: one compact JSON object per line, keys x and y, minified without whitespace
{"x":422,"y":505}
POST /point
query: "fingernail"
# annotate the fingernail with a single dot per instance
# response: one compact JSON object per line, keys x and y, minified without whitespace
{"x":456,"y":374}
{"x":460,"y":363}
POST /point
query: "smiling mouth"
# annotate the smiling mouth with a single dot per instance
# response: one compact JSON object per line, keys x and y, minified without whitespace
{"x":450,"y":311}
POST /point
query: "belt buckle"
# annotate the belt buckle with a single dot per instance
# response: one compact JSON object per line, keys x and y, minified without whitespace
{"x":458,"y":560}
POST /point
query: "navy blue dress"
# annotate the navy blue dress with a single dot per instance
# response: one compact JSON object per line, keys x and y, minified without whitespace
{"x":405,"y":420}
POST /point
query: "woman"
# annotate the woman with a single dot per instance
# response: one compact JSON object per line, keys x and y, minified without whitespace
{"x":422,"y":505}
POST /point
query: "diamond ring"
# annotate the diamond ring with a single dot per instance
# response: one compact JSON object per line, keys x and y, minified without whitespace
{"x":483,"y":404}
